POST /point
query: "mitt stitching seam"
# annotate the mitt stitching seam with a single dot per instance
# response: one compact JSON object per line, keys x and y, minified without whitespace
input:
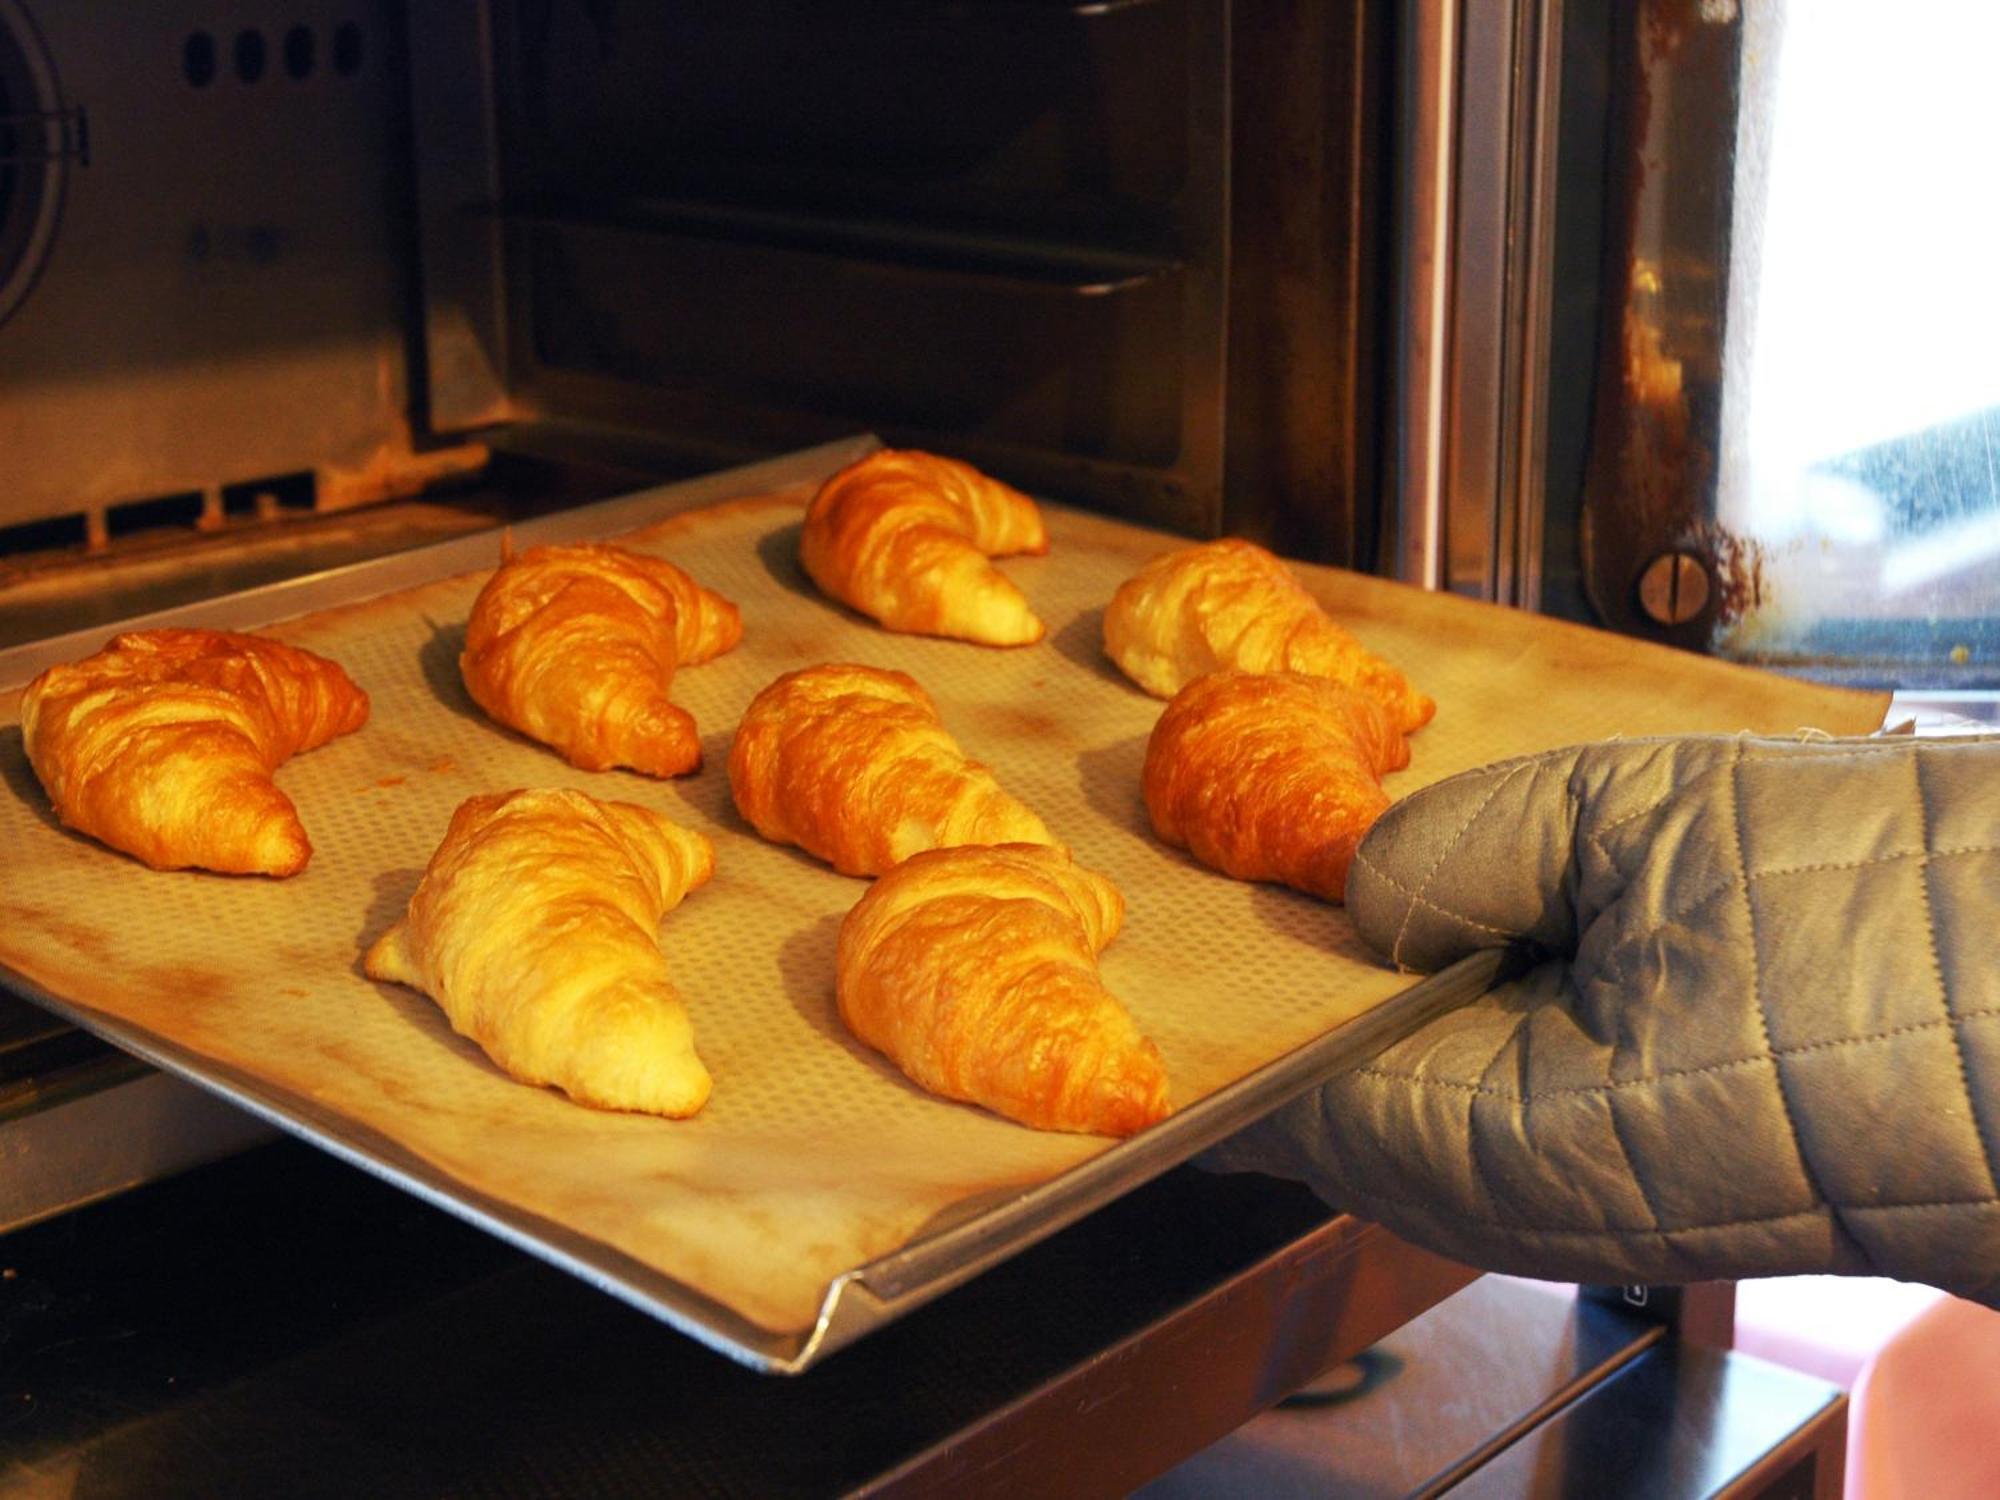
{"x":1789,"y":748}
{"x":1360,"y":858}
{"x":1481,"y":1172}
{"x":1808,"y":1175}
{"x":1396,"y":950}
{"x":1879,"y":859}
{"x":1937,"y":972}
{"x":1675,"y":1074}
{"x":1638,"y":1180}
{"x":1597,"y":834}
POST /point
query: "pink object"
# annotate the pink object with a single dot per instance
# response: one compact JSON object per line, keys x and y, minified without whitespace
{"x":1829,"y":1326}
{"x":1925,"y":1418}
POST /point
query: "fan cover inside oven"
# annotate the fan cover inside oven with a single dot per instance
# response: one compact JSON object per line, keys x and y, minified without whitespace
{"x":39,"y":138}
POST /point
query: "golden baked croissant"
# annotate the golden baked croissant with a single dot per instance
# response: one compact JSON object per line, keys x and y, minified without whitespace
{"x":1232,"y":604}
{"x":905,"y":537}
{"x":163,"y":744}
{"x":975,"y":971}
{"x":576,"y":646}
{"x":1271,"y":777}
{"x":853,"y":764}
{"x":534,"y":928}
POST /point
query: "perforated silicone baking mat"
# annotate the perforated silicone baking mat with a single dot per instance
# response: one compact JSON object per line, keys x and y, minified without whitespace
{"x":814,"y":1157}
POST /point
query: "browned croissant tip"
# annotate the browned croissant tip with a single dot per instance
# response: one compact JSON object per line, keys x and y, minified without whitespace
{"x":292,"y":862}
{"x":1134,"y":1099}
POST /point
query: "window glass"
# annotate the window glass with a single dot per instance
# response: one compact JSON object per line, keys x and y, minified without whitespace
{"x":1860,"y":423}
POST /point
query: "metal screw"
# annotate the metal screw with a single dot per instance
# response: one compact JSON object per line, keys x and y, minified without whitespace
{"x":1674,"y":588}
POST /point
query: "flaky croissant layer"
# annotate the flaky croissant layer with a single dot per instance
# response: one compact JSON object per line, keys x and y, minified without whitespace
{"x":905,"y":537}
{"x":975,"y":970}
{"x":1271,"y":776}
{"x":534,"y":928}
{"x":576,"y":646}
{"x":854,"y":765}
{"x":1231,"y":604}
{"x":162,"y":745}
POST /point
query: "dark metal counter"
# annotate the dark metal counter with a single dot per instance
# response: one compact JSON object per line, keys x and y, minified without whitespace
{"x":281,"y":1324}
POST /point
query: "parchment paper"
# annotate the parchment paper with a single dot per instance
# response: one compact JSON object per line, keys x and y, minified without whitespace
{"x":814,"y":1156}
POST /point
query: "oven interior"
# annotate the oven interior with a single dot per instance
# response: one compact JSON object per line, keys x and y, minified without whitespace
{"x":327,"y":254}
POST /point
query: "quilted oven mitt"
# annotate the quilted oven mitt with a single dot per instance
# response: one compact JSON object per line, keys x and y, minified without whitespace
{"x":1757,"y":1031}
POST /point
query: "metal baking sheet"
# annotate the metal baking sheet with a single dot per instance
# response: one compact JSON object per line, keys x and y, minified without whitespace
{"x":819,"y":1194}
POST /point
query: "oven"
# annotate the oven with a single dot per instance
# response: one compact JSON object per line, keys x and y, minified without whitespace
{"x":1435,"y":291}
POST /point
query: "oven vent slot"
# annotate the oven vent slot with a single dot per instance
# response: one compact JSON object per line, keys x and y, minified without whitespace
{"x":68,"y":533}
{"x":392,"y":473}
{"x":250,"y":52}
{"x":160,"y":517}
{"x":168,"y":511}
{"x":267,"y":499}
{"x":203,"y":510}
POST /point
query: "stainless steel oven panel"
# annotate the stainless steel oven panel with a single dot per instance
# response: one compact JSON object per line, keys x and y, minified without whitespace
{"x":1475,"y":263}
{"x":223,"y":295}
{"x":99,"y":1143}
{"x":1000,"y":230}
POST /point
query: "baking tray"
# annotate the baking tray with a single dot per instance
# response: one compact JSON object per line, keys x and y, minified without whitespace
{"x":819,"y":1195}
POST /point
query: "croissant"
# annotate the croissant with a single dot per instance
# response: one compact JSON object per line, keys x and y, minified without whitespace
{"x":975,"y":971}
{"x":1271,"y":777}
{"x":534,"y":930}
{"x":1232,"y":604}
{"x":853,"y":765}
{"x":576,"y":647}
{"x":162,"y":745}
{"x":905,"y":537}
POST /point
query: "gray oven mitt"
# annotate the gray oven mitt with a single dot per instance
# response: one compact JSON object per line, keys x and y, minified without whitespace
{"x":1759,"y":1033}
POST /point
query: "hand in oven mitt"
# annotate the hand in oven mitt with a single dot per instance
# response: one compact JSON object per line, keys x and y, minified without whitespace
{"x":1758,"y":1031}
